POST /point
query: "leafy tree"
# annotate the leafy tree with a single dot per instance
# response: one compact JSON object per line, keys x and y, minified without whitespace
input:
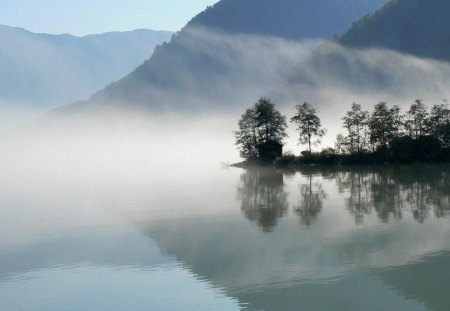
{"x":246,"y":137}
{"x":258,"y":126}
{"x":384,"y":124}
{"x":416,"y":119}
{"x":271,"y":125}
{"x":309,"y":125}
{"x":356,"y":122}
{"x":342,"y":143}
{"x":397,"y":121}
{"x":438,"y":124}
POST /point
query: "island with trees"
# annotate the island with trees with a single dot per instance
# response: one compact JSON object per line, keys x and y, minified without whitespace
{"x":382,"y":136}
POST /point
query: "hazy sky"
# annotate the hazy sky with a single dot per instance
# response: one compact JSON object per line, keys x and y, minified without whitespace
{"x":82,"y":17}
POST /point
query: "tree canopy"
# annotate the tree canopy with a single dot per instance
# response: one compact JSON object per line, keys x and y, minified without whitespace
{"x":309,"y":125}
{"x":356,"y":122}
{"x":259,"y":127}
{"x":384,"y":135}
{"x":416,"y":119}
{"x":384,"y":124}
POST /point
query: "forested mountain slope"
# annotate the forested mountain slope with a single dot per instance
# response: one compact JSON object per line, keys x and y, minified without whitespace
{"x":234,"y":47}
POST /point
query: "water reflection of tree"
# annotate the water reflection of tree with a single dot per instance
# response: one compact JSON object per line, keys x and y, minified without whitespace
{"x":385,"y":192}
{"x":429,"y":192}
{"x":389,"y":191}
{"x":441,"y":202}
{"x":357,"y":185}
{"x":263,"y":197}
{"x":310,"y":202}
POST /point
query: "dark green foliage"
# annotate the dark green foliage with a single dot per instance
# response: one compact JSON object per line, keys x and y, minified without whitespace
{"x":401,"y":149}
{"x":384,"y":136}
{"x":389,"y":143}
{"x":262,"y":130}
{"x":357,"y":158}
{"x":269,"y":151}
{"x":286,"y":160}
{"x":422,"y":140}
{"x":326,"y":156}
{"x":427,"y":148}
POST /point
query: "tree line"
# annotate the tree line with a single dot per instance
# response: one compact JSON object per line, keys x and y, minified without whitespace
{"x":383,"y":135}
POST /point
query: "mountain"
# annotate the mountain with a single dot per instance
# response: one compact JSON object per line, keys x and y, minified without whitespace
{"x":400,"y":51}
{"x":288,"y":19}
{"x":230,"y":53}
{"x":45,"y":70}
{"x":417,"y":27}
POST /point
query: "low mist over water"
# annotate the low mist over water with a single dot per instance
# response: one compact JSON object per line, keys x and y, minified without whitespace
{"x":116,"y":221}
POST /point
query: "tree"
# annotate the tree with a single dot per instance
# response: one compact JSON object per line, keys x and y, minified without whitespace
{"x":384,"y":124}
{"x":397,"y":121}
{"x":309,"y":125}
{"x":260,"y":128}
{"x":356,"y":122}
{"x":342,"y":144}
{"x":438,"y":123}
{"x":246,"y":137}
{"x":270,"y":123}
{"x":416,"y":119}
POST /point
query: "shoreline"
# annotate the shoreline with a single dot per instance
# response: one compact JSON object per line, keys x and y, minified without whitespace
{"x":250,"y":164}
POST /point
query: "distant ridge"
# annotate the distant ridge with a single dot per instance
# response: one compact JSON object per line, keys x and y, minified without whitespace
{"x":394,"y":50}
{"x":44,"y":70}
{"x":289,"y":19}
{"x":194,"y":63}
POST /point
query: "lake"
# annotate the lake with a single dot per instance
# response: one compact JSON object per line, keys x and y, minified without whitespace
{"x":357,"y":238}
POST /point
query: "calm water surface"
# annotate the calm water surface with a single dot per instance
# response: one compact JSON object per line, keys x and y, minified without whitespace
{"x":230,"y":239}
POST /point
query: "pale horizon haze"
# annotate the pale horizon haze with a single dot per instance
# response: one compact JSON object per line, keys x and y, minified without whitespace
{"x":99,"y":16}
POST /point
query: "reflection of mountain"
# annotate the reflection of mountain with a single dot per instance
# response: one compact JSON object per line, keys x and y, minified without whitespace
{"x":49,"y":70}
{"x":197,"y":69}
{"x":334,"y":261}
{"x":104,"y":249}
{"x":377,"y":265}
{"x":432,"y":274}
{"x":290,"y":269}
